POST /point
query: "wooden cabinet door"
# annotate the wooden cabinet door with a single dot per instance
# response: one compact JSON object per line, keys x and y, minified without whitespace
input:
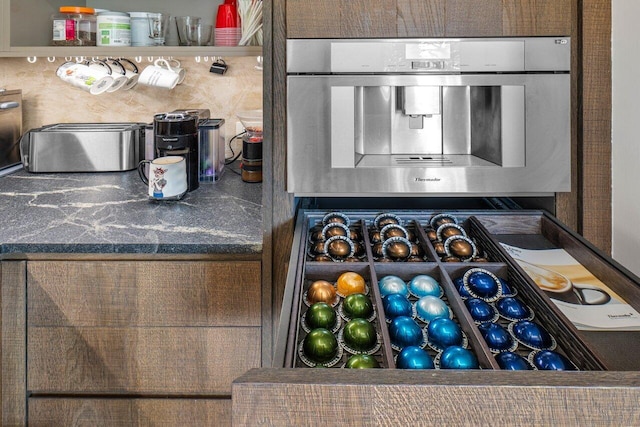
{"x":170,"y":328}
{"x":537,"y":17}
{"x":341,"y":19}
{"x":424,"y":18}
{"x":428,"y":18}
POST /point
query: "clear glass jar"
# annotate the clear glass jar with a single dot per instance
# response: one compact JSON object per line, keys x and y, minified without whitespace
{"x":74,"y":26}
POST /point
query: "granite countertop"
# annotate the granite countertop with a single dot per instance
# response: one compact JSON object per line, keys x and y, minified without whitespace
{"x":110,"y":213}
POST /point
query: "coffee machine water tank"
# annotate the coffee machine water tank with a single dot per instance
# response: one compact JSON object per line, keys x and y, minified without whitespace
{"x":176,"y":134}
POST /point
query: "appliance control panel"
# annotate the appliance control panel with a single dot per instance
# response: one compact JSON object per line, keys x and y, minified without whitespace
{"x":337,"y":56}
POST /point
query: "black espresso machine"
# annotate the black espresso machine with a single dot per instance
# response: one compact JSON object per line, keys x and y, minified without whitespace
{"x":176,"y":134}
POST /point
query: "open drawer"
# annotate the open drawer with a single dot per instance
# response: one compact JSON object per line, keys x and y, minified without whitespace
{"x":600,"y":382}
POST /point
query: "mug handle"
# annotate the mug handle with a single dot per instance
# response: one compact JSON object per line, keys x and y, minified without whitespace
{"x":135,"y":68}
{"x":114,"y":61}
{"x":141,"y":165}
{"x":162,"y":61}
{"x":103,"y":63}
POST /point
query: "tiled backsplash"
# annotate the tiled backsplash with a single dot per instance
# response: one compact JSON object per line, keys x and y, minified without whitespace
{"x":47,"y":99}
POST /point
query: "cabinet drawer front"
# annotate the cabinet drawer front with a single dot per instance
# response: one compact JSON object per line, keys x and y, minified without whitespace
{"x":129,"y":412}
{"x":139,"y":360}
{"x":143,"y":293}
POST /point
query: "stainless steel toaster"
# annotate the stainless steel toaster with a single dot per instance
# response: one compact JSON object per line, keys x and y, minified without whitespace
{"x":83,"y":147}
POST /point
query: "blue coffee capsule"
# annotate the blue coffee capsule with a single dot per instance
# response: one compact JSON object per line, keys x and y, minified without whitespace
{"x":429,"y":308}
{"x":395,"y":305}
{"x":413,"y":357}
{"x":513,"y":309}
{"x":459,"y":283}
{"x":507,"y":290}
{"x":532,"y":335}
{"x":482,"y":284}
{"x":548,"y":360}
{"x":392,"y":285}
{"x":423,"y":285}
{"x":497,"y":338}
{"x":443,"y":333}
{"x":404,"y":332}
{"x":456,"y":357}
{"x":510,"y":361}
{"x":481,"y":311}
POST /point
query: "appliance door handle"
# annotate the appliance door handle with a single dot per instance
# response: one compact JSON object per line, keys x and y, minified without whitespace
{"x":9,"y":105}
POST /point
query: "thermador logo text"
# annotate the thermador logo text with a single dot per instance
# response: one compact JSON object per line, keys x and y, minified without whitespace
{"x":427,"y":179}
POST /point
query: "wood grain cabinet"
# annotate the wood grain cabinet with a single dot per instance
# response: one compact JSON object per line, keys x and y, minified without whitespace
{"x":131,"y":342}
{"x":427,"y":18}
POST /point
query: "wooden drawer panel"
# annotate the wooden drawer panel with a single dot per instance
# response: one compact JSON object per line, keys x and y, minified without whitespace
{"x":102,"y":293}
{"x":139,"y":360}
{"x":129,"y":412}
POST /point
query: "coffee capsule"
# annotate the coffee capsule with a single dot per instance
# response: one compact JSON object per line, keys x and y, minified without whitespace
{"x":547,"y":360}
{"x":481,"y":311}
{"x":443,"y":333}
{"x":461,"y":247}
{"x":439,"y":219}
{"x":339,"y":248}
{"x":513,"y":309}
{"x":510,"y":361}
{"x":359,"y":336}
{"x":404,"y":332}
{"x":497,"y":338}
{"x":357,"y":305}
{"x":423,"y":285}
{"x":350,"y":283}
{"x":385,"y":219}
{"x":483,"y":284}
{"x":361,"y":361}
{"x":456,"y":357}
{"x":336,"y":217}
{"x":413,"y":357}
{"x":320,"y":315}
{"x":396,"y":248}
{"x":320,"y":346}
{"x":430,"y":308}
{"x":392,"y":284}
{"x":395,"y":305}
{"x":321,"y":291}
{"x":532,"y":335}
{"x":393,"y":230}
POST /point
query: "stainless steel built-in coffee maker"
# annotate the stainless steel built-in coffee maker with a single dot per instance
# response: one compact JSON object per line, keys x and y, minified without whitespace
{"x":428,"y":116}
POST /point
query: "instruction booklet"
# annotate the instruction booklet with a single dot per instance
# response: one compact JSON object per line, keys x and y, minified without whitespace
{"x":586,"y":301}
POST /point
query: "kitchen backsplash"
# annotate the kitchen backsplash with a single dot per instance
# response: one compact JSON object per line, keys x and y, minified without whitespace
{"x":47,"y":99}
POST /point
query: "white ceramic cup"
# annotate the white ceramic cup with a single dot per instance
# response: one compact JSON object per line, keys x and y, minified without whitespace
{"x":83,"y":76}
{"x":130,"y":72}
{"x":167,"y":178}
{"x":118,"y":73}
{"x":174,"y":65}
{"x":160,"y":75}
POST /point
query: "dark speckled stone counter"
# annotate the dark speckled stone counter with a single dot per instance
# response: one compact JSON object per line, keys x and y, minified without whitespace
{"x":110,"y":213}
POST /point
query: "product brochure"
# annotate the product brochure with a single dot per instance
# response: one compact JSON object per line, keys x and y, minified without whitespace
{"x":587,"y":302}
